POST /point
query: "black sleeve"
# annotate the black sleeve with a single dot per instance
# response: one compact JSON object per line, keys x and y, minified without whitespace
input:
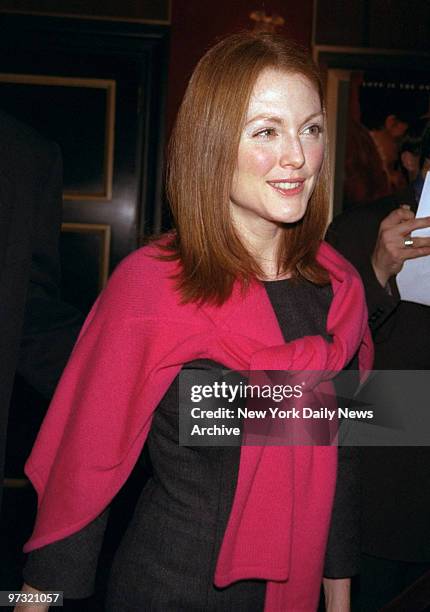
{"x":50,"y":326}
{"x":342,"y":558}
{"x":68,"y":565}
{"x":350,"y":236}
{"x":354,"y":235}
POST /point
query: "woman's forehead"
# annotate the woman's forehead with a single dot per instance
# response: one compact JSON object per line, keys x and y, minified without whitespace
{"x":278,"y":91}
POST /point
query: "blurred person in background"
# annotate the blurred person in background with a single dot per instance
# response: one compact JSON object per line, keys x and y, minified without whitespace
{"x":409,"y":155}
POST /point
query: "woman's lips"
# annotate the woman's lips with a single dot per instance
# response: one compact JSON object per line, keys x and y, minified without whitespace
{"x":287,"y":188}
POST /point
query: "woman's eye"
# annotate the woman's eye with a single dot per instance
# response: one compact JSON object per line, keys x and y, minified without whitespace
{"x":313,"y":130}
{"x":266,"y":133}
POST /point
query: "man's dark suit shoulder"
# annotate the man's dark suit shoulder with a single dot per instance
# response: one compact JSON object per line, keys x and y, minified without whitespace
{"x":27,"y":152}
{"x":35,"y":321}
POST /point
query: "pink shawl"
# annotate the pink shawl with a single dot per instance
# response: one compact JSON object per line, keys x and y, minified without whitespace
{"x":133,"y":344}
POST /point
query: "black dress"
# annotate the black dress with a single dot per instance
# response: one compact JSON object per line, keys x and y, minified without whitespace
{"x":166,"y":560}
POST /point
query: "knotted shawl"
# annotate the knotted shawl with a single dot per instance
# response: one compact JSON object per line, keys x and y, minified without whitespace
{"x":133,"y":344}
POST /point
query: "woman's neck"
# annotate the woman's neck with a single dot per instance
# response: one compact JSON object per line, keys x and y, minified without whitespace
{"x":264,"y":247}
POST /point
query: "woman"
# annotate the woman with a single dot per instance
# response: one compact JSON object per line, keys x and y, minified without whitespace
{"x":244,"y":281}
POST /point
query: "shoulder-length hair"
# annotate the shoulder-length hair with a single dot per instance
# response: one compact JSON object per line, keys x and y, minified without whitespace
{"x":202,"y":157}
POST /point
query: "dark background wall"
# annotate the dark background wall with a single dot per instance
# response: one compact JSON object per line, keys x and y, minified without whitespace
{"x":195,"y":24}
{"x":154,"y":10}
{"x":389,"y":24}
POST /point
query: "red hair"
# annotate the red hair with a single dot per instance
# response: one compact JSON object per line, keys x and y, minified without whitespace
{"x":202,"y":158}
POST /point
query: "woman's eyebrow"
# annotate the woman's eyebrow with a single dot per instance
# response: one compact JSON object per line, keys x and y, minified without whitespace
{"x":278,"y":120}
{"x":272,"y":118}
{"x":314,"y":116}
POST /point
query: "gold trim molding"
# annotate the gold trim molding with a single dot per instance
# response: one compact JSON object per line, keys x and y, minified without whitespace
{"x":104,"y":231}
{"x":108,"y":154}
{"x":42,"y":13}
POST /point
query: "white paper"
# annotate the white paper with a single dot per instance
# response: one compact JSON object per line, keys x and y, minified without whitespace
{"x":413,"y":280}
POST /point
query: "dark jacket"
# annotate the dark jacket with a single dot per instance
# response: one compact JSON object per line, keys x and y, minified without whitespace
{"x":37,"y":330}
{"x":395,"y":481}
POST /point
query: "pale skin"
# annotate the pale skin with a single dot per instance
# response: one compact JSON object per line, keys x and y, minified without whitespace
{"x":280,"y":155}
{"x":281,"y":146}
{"x":30,"y":608}
{"x":337,"y":594}
{"x":390,"y":252}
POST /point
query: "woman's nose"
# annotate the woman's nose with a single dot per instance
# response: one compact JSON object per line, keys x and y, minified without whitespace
{"x":292,"y":153}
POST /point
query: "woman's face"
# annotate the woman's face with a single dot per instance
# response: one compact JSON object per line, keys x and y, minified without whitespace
{"x":280,"y":152}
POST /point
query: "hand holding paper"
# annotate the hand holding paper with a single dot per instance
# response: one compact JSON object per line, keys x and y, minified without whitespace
{"x":413,"y":281}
